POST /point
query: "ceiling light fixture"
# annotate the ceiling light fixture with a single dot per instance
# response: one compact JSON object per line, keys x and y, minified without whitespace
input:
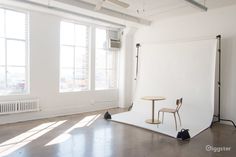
{"x":142,"y":10}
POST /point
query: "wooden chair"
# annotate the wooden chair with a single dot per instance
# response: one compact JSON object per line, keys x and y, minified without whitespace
{"x":174,"y":111}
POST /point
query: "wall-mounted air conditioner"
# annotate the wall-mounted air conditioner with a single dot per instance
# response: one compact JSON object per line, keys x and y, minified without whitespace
{"x":114,"y":39}
{"x":113,"y":43}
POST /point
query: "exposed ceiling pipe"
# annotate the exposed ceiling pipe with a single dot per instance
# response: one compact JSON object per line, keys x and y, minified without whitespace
{"x":196,"y":4}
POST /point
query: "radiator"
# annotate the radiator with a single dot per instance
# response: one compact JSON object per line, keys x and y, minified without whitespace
{"x":19,"y":106}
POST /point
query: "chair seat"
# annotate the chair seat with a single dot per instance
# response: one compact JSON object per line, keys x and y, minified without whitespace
{"x":170,"y":110}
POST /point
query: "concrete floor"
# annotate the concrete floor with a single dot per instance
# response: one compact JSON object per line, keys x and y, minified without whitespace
{"x":83,"y":135}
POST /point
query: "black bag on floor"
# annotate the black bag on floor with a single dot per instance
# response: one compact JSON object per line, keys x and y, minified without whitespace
{"x":107,"y":115}
{"x":183,"y":134}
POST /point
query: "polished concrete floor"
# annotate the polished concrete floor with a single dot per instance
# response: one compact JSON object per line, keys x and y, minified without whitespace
{"x":89,"y":135}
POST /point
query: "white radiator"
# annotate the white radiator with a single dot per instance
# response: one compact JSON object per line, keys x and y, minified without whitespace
{"x":19,"y":106}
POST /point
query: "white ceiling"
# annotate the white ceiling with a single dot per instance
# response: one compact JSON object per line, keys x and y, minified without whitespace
{"x":156,"y":9}
{"x":141,"y":12}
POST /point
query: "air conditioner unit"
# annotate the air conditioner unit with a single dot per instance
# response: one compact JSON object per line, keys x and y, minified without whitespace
{"x":113,"y":43}
{"x":114,"y":39}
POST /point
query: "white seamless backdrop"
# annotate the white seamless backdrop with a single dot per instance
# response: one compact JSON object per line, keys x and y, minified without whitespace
{"x":174,"y":70}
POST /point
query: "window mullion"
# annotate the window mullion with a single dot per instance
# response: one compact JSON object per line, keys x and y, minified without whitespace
{"x":74,"y":70}
{"x":107,"y":51}
{"x":6,"y":73}
{"x":5,"y":44}
{"x":27,"y":79}
{"x":92,"y":57}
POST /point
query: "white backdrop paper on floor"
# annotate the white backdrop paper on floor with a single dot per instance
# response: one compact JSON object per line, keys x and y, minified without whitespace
{"x":175,"y":70}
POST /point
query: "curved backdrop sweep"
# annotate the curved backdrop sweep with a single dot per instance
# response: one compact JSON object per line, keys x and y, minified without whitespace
{"x":174,"y":70}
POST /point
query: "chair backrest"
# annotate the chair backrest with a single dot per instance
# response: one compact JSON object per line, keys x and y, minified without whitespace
{"x":179,"y":103}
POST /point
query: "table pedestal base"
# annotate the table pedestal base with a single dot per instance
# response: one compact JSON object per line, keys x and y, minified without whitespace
{"x":156,"y":121}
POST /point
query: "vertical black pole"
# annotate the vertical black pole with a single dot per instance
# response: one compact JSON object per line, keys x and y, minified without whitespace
{"x":137,"y":56}
{"x":153,"y":108}
{"x":219,"y":86}
{"x":219,"y":79}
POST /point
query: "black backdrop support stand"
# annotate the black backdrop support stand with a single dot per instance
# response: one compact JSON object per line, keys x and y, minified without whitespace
{"x":218,"y":37}
{"x":137,"y":57}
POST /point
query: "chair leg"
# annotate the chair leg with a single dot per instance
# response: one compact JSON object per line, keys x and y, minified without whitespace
{"x":175,"y":122}
{"x":158,"y":116}
{"x":179,"y":119}
{"x":162,"y":117}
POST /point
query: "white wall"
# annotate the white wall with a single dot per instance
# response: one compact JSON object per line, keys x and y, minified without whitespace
{"x":44,"y":77}
{"x":126,"y":66}
{"x":203,"y":24}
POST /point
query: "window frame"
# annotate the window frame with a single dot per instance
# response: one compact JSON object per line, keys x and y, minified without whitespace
{"x":27,"y":52}
{"x":91,"y":56}
{"x":74,"y":46}
{"x":107,"y":50}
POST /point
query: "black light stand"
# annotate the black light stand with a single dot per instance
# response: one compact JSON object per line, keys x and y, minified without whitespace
{"x":218,"y":37}
{"x":137,"y":56}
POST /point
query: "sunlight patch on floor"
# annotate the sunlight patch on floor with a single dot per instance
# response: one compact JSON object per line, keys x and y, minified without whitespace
{"x":86,"y":121}
{"x":21,"y":140}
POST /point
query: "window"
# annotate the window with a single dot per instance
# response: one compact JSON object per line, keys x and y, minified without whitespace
{"x":74,"y":57}
{"x":84,"y":50}
{"x":13,"y":52}
{"x":106,"y":62}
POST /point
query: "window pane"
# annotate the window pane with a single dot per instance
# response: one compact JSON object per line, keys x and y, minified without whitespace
{"x":101,"y":38}
{"x":66,"y":79}
{"x":74,"y":57}
{"x":1,"y":22}
{"x":81,"y":64}
{"x":111,"y":74}
{"x":100,"y":59}
{"x":13,"y":52}
{"x":106,"y":60}
{"x":81,"y":79}
{"x":16,"y":79}
{"x":67,"y":56}
{"x":15,"y":24}
{"x":16,"y":53}
{"x":2,"y":52}
{"x":67,"y":33}
{"x":111,"y":60}
{"x":81,"y":37}
{"x":2,"y":79}
{"x":101,"y":79}
{"x":81,"y":58}
{"x":106,"y":69}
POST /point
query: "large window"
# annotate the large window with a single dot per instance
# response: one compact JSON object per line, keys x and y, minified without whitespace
{"x":106,"y":62}
{"x":13,"y":52}
{"x":74,"y":57}
{"x":85,"y":50}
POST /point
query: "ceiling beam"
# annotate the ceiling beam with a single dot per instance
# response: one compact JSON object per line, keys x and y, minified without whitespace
{"x":106,"y":11}
{"x":196,"y":4}
{"x":86,"y":6}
